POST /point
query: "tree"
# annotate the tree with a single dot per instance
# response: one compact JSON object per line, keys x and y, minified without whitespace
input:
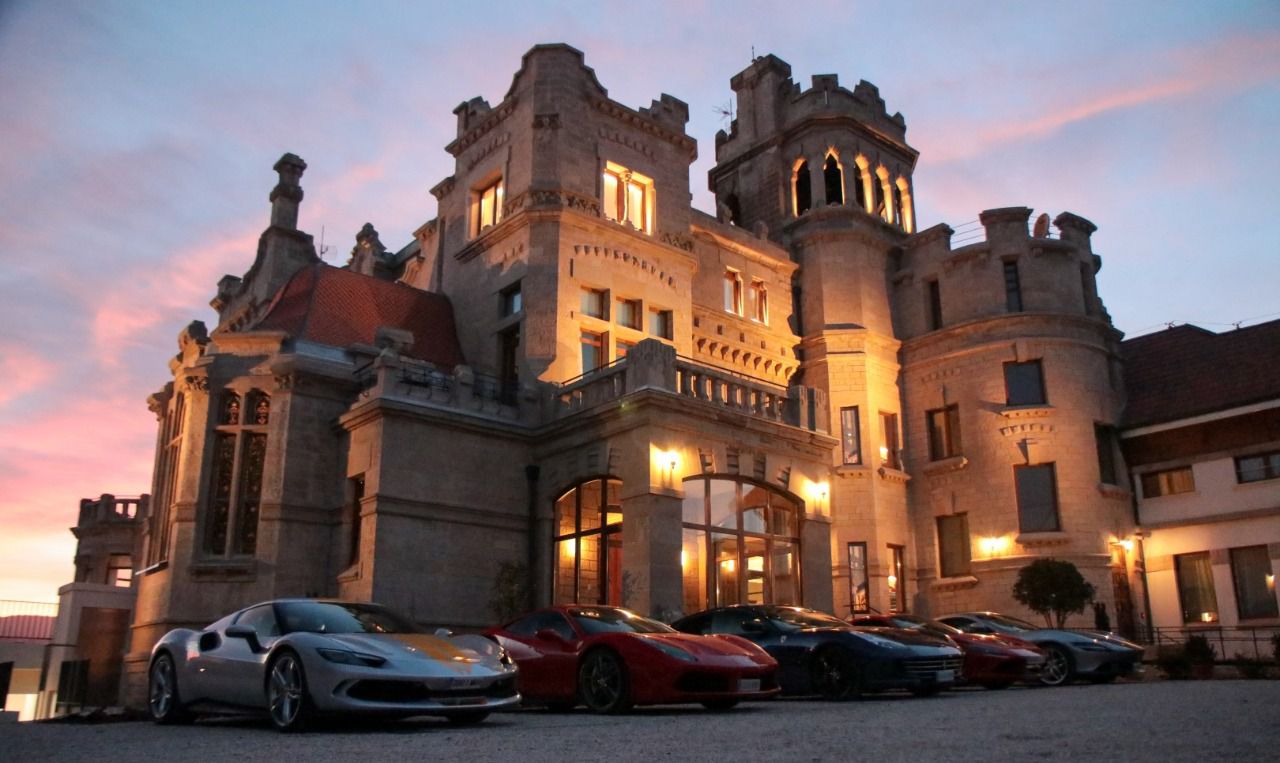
{"x":509,"y":595}
{"x":1052,"y":587}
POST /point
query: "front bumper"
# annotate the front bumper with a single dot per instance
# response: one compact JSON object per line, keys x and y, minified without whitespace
{"x":914,"y":673}
{"x":1100,"y":664}
{"x":702,"y":683}
{"x":375,"y":692}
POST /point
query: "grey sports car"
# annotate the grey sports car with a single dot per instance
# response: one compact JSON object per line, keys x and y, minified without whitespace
{"x":298,"y":658}
{"x":1069,"y":654}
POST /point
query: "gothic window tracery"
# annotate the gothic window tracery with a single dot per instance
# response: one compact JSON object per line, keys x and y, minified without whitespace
{"x":235,"y":486}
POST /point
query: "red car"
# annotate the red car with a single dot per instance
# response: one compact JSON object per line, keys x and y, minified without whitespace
{"x":993,"y":661}
{"x":610,"y":659}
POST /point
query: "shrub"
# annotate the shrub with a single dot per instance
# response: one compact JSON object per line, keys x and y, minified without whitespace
{"x":1199,"y":651}
{"x":1173,"y":661}
{"x":1052,"y":588}
{"x":1250,"y":667}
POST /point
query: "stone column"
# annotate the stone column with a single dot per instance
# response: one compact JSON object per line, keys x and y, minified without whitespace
{"x":651,"y":533}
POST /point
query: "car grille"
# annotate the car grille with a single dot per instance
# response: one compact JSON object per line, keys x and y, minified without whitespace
{"x":715,"y":683}
{"x":931,"y":665}
{"x":402,"y":692}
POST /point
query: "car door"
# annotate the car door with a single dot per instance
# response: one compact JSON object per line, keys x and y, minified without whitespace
{"x":233,"y":670}
{"x":546,"y":649}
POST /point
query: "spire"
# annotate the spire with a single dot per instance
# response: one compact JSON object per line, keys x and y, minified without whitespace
{"x":287,"y":194}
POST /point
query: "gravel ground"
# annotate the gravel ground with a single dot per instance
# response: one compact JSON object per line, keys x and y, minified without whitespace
{"x":1164,"y":721}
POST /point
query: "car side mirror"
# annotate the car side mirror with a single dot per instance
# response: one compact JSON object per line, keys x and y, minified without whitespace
{"x":248,"y":634}
{"x":550,"y":634}
{"x":443,"y":633}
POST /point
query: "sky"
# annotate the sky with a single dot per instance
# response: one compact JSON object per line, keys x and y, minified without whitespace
{"x":137,"y":139}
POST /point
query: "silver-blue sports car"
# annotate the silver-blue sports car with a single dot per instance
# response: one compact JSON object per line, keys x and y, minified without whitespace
{"x":298,"y":658}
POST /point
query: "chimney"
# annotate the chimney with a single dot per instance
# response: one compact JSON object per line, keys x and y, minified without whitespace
{"x":287,"y":194}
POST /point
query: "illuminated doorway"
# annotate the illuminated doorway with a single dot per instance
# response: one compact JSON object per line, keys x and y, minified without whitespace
{"x":588,"y":544}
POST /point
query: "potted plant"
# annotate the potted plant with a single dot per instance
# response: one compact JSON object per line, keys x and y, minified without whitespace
{"x":1199,"y":652}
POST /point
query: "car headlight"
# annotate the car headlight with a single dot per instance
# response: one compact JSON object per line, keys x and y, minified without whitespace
{"x":343,"y":657}
{"x":671,"y":650}
{"x":505,"y":658}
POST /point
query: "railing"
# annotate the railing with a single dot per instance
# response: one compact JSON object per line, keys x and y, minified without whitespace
{"x":592,"y":388}
{"x":27,"y":620}
{"x":972,"y":232}
{"x":112,"y":508}
{"x":437,"y":385}
{"x":1229,"y":642}
{"x":737,"y":392}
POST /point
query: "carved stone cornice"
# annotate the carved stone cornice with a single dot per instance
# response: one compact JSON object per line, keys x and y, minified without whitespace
{"x":678,"y":240}
{"x":635,"y":119}
{"x":476,"y":133}
{"x":196,"y":383}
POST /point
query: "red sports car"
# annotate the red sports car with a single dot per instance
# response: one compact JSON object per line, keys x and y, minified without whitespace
{"x":993,"y":661}
{"x":610,"y":659}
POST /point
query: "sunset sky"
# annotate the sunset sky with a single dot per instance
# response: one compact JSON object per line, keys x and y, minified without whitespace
{"x":137,"y":139}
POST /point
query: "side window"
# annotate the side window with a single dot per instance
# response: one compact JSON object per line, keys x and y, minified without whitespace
{"x":262,"y":619}
{"x":530,"y":625}
{"x":697,"y":624}
{"x":733,"y":620}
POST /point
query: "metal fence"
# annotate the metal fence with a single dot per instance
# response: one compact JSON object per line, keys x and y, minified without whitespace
{"x":1230,"y":643}
{"x":27,"y":620}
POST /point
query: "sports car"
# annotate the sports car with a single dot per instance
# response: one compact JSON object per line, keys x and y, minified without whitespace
{"x":1069,"y":654}
{"x":820,"y":654}
{"x":299,"y":658}
{"x":995,"y":661}
{"x":610,"y":659}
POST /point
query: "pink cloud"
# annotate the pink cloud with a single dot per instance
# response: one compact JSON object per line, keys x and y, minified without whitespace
{"x":23,"y":371}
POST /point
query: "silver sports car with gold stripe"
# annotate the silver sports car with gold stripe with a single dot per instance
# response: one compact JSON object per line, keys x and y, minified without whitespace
{"x":299,"y":658}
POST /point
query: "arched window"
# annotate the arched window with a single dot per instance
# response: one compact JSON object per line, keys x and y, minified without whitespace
{"x":735,"y":208}
{"x":833,"y":180}
{"x":859,"y":190}
{"x":877,"y":185}
{"x":588,"y":544}
{"x":235,"y":483}
{"x":897,"y":208}
{"x":802,"y":185}
{"x":741,"y":544}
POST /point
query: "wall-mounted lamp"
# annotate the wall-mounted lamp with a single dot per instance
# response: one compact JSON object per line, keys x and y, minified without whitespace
{"x":993,"y":546}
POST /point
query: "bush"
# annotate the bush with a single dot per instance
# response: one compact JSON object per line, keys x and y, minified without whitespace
{"x":1250,"y":668}
{"x":1173,"y":661}
{"x":1199,"y":651}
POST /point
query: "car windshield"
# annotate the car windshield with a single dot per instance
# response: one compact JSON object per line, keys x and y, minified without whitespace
{"x":1004,"y":622}
{"x":342,"y":617}
{"x":608,"y":620}
{"x":790,"y":619}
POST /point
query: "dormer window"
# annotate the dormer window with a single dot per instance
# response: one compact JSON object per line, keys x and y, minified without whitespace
{"x":486,"y":207}
{"x":628,"y":197}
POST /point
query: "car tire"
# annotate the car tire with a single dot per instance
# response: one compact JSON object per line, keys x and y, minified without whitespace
{"x":835,"y":675}
{"x":163,"y":699}
{"x":288,"y":701}
{"x":469,"y":718}
{"x":720,"y":705}
{"x":1058,"y":666}
{"x":603,"y":684}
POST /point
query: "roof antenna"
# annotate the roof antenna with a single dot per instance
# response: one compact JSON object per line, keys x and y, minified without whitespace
{"x":753,"y":53}
{"x":323,"y":249}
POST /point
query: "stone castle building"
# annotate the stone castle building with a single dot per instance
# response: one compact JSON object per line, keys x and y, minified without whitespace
{"x":574,"y":385}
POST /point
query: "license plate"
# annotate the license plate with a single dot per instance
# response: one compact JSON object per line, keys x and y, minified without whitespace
{"x":454,"y":701}
{"x":945,"y":676}
{"x":748,"y":684}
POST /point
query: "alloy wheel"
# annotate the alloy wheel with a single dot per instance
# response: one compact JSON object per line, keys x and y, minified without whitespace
{"x":1057,"y":667}
{"x":834,"y":675}
{"x":603,"y":683}
{"x":285,"y":692}
{"x":163,"y":688}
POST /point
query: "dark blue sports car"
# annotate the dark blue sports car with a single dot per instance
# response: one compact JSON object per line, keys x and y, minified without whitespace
{"x":820,"y":654}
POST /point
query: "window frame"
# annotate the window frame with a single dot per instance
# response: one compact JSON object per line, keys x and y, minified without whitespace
{"x":1270,"y":467}
{"x":599,"y":295}
{"x":601,"y":345}
{"x":666,"y":323}
{"x":890,"y":441}
{"x":733,"y":292}
{"x":1014,"y":365}
{"x":620,"y":209}
{"x":1104,"y":437}
{"x":933,"y":290}
{"x":510,"y":300}
{"x":1269,"y":608}
{"x":1180,"y":582}
{"x":1013,"y":302}
{"x":855,"y":430}
{"x":478,"y":199}
{"x":758,"y":297}
{"x":1023,"y":508}
{"x":244,"y":438}
{"x":623,"y":306}
{"x":1164,"y":484}
{"x":945,"y":540}
{"x":944,"y":440}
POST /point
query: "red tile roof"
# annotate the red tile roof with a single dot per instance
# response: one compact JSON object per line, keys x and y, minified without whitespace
{"x":338,"y":307}
{"x":1187,"y":371}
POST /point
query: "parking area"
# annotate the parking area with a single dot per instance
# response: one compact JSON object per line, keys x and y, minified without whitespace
{"x":1154,"y":720}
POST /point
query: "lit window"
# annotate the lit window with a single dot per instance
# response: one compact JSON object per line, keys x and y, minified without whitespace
{"x":660,"y":323}
{"x":1024,"y":383}
{"x":953,"y":545}
{"x":628,"y":313}
{"x":850,"y":435}
{"x":487,"y":207}
{"x":511,"y":300}
{"x":944,"y":432}
{"x":628,"y":197}
{"x":595,"y":303}
{"x":1168,"y":482}
{"x":1254,"y":582}
{"x":1037,"y":489}
{"x":1264,"y":466}
{"x":889,"y":440}
{"x":802,"y":189}
{"x":733,"y":292}
{"x":1194,"y":573}
{"x":759,"y":301}
{"x":593,"y":345}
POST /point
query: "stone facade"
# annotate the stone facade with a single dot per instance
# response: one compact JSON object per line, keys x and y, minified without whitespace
{"x":572,"y":381}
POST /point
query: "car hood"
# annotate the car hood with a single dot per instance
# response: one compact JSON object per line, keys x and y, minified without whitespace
{"x":904,"y":635}
{"x":706,"y":646}
{"x":994,"y":639}
{"x":458,"y":650}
